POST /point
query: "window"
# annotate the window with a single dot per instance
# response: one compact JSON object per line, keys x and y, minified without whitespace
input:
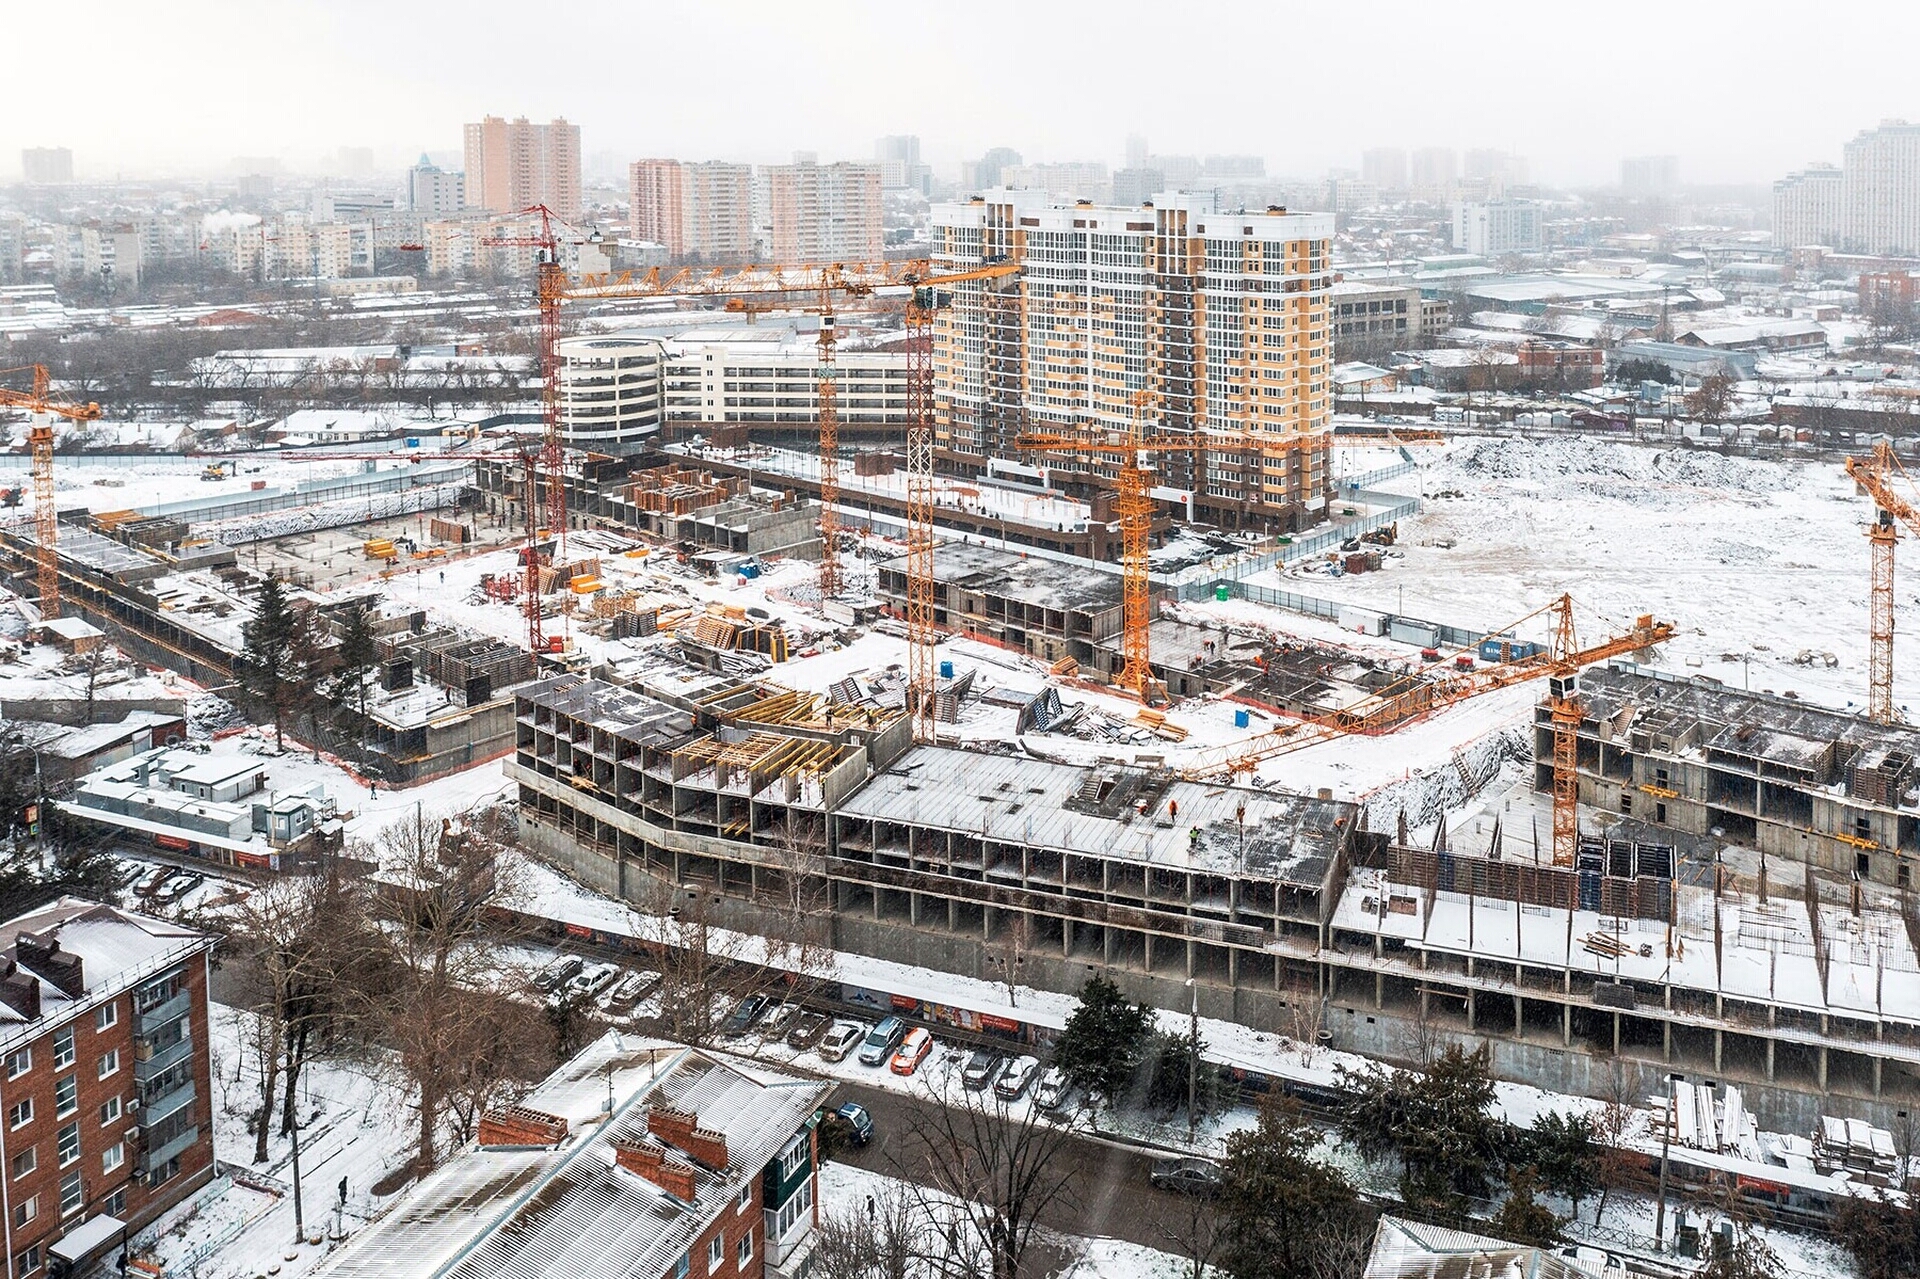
{"x":746,"y":1249}
{"x":106,"y":1015}
{"x":115,"y":1204}
{"x":26,"y":1210}
{"x":109,"y":1111}
{"x":63,"y":1048}
{"x":20,"y":1112}
{"x":716,"y":1253}
{"x":746,"y":1197}
{"x":29,"y":1260}
{"x":113,"y":1157}
{"x":69,"y":1144}
{"x":26,"y":1161}
{"x":19,"y":1063}
{"x":66,"y":1096}
{"x":794,"y":1157}
{"x":109,"y":1062}
{"x":73,"y":1193}
{"x":681,"y":1268}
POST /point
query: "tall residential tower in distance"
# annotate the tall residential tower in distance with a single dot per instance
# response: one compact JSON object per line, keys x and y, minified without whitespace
{"x":825,"y":212}
{"x":1220,"y":317}
{"x":700,"y":212}
{"x":513,"y":164}
{"x":46,"y":166}
{"x":1870,"y":204}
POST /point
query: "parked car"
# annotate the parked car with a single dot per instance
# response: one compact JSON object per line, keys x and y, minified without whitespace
{"x":1188,"y":1176}
{"x":556,"y":973}
{"x":838,"y":1042}
{"x":777,"y":1021}
{"x":808,"y":1029}
{"x":912,"y":1051}
{"x":980,"y":1069}
{"x":629,"y":990}
{"x":1055,"y":1088}
{"x":1015,"y":1078}
{"x":149,"y":883}
{"x":858,"y":1120}
{"x":745,"y":1013}
{"x":592,"y":979}
{"x":179,"y":886}
{"x":882,"y":1040}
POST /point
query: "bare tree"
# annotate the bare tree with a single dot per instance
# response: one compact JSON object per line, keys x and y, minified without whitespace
{"x":888,"y":1237}
{"x":1193,"y":1231}
{"x":444,"y":972}
{"x":995,"y":1173}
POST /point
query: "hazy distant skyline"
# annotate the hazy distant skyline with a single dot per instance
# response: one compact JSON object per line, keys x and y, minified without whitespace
{"x":145,"y":90}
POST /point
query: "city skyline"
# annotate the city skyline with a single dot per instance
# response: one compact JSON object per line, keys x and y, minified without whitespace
{"x":340,"y":86}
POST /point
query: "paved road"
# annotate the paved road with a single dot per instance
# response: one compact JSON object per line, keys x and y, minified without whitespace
{"x":1109,"y":1194}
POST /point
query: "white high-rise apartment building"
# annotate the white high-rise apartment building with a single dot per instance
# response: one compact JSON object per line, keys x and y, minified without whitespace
{"x":1221,"y":318}
{"x":432,"y":192}
{"x":1498,"y":227}
{"x":1870,"y":204}
{"x":825,"y":212}
{"x":1385,"y":167}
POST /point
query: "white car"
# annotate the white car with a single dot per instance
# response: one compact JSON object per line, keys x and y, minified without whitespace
{"x":592,"y":979}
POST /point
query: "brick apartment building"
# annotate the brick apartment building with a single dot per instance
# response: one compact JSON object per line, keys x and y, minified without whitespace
{"x":105,"y":1080}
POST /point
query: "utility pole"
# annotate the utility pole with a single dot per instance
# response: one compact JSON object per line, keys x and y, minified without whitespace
{"x":1193,"y":1060}
{"x":299,"y":1219}
{"x":1666,"y":1142}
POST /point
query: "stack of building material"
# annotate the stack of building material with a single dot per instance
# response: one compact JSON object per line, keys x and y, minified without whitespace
{"x":1856,"y":1149}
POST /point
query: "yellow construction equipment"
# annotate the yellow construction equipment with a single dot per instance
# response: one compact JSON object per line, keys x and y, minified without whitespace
{"x":1875,"y":475}
{"x":46,"y":519}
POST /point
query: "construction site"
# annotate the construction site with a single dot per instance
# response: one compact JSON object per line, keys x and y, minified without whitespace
{"x":1143,"y":681}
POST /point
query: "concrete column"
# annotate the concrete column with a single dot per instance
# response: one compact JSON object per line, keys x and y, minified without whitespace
{"x":1718,"y":1043}
{"x":1191,"y":953}
{"x":1823,"y":1068}
{"x":1566,"y":1025}
{"x":1471,"y":1010}
{"x":1066,"y":938}
{"x":1769,"y":1060}
{"x":1519,"y":1016}
{"x":1876,"y":1077}
{"x":1666,"y":1040}
{"x":1106,"y":946}
{"x":1148,"y":950}
{"x":1379,"y":990}
{"x":913,"y":909}
{"x":1616,"y":1034}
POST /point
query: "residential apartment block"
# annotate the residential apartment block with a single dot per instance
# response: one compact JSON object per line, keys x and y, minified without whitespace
{"x":1497,"y":228}
{"x":639,"y":1158}
{"x":700,"y":212}
{"x":514,"y":164}
{"x":825,"y":212}
{"x":1221,"y":319}
{"x":434,"y":193}
{"x":107,"y":1080}
{"x":46,"y":165}
{"x":1870,"y":204}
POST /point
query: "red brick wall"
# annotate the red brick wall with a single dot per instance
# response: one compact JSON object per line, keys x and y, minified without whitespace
{"x":41,"y":1133}
{"x":729,"y":1227}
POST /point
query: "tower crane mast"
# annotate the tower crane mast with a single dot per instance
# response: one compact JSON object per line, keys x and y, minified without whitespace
{"x":1875,"y":475}
{"x":46,"y":518}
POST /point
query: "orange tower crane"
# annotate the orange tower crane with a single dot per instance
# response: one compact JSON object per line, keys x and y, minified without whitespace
{"x":1875,"y":475}
{"x":925,"y":302}
{"x":40,"y":440}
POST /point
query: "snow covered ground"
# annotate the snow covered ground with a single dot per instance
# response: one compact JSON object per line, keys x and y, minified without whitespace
{"x":1747,"y":556}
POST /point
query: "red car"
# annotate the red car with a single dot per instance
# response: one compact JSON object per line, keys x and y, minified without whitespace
{"x":912,"y":1051}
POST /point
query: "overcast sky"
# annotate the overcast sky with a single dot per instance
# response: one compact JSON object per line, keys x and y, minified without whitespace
{"x":1741,"y":92}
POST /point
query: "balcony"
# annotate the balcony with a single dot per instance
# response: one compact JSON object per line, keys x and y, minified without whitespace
{"x":166,"y":1104}
{"x":156,"y":1060}
{"x":145,"y":1023}
{"x":158,"y":1156}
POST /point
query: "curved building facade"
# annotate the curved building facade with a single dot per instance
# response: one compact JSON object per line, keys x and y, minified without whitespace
{"x":612,"y":392}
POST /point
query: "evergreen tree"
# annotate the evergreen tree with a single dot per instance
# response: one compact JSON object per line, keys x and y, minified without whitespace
{"x":1440,"y":1124}
{"x":1175,"y":1063}
{"x":270,"y":664}
{"x":1104,"y":1041}
{"x":1284,"y":1214}
{"x":1524,"y":1219}
{"x":1563,"y":1152}
{"x":356,"y":656}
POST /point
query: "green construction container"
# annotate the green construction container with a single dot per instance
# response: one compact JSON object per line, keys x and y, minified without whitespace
{"x":1222,"y":592}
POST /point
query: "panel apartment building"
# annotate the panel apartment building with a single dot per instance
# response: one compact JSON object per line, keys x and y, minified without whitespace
{"x":1870,"y":204}
{"x":1222,"y":318}
{"x":514,"y":164}
{"x":107,"y":1084}
{"x":825,"y":212}
{"x":699,"y":212}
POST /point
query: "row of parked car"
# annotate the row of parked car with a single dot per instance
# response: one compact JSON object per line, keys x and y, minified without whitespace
{"x":611,"y":988}
{"x":166,"y":883}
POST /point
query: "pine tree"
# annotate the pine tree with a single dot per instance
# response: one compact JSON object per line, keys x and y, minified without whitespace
{"x":1522,"y":1218}
{"x":1562,"y":1150}
{"x":270,"y":664}
{"x":1175,"y":1064}
{"x":356,"y":656}
{"x":1284,"y":1214}
{"x":1104,"y":1041}
{"x":1441,"y":1125}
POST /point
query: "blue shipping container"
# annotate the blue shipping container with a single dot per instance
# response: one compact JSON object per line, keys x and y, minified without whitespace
{"x":1507,"y":650}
